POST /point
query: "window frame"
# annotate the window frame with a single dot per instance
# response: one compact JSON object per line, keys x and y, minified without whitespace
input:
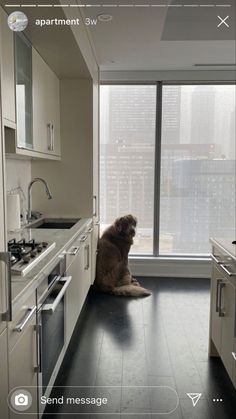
{"x":157,"y":162}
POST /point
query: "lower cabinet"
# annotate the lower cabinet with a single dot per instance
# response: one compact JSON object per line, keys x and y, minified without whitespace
{"x":78,"y":262}
{"x":23,"y":356}
{"x":223,"y":319}
{"x":22,"y":364}
{"x":3,"y":375}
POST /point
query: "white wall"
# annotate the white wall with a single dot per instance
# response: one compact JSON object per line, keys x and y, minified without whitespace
{"x":71,"y":179}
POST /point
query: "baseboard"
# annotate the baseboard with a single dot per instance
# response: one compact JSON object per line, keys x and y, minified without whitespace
{"x":170,"y":267}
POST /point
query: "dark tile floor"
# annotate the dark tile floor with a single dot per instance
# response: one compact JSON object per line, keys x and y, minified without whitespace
{"x":159,"y":341}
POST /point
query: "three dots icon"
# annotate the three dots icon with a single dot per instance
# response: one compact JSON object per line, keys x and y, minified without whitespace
{"x":217,"y":400}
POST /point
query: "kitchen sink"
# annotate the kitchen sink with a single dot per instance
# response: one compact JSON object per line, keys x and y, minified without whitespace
{"x":58,"y":223}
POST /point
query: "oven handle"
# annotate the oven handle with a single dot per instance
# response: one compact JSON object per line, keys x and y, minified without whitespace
{"x":52,"y":307}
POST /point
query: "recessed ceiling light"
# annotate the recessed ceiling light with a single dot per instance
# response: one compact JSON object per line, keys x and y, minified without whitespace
{"x":104,"y":17}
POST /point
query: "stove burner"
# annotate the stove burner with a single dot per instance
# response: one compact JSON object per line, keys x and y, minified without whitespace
{"x":23,"y":251}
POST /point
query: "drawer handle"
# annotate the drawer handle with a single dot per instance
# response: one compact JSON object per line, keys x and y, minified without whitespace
{"x":83,"y":238}
{"x":227,"y":271}
{"x":89,"y":230}
{"x":73,"y":250}
{"x":221,"y":286}
{"x":234,"y":355}
{"x":217,"y":295}
{"x":19,"y":327}
{"x":216,"y":260}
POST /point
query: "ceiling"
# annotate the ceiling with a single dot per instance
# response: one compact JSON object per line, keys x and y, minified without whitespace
{"x":142,"y":35}
{"x":163,"y":38}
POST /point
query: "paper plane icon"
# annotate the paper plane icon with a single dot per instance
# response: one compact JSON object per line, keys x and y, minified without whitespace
{"x":194,"y":397}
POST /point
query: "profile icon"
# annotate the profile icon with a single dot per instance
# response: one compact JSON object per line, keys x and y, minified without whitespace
{"x":17,"y":21}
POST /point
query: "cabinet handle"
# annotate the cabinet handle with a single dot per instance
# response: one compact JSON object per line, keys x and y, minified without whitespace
{"x":95,"y":205}
{"x":50,"y":128}
{"x":6,"y":258}
{"x":216,"y":260}
{"x":217,"y":295}
{"x":234,"y":355}
{"x":52,"y":138}
{"x":39,"y":348}
{"x":73,"y":250}
{"x":83,"y":238}
{"x":227,"y":271}
{"x":19,"y":327}
{"x":87,"y":257}
{"x":221,"y":286}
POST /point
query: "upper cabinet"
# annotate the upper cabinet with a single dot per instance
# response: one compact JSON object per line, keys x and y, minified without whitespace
{"x":23,"y":71}
{"x":46,"y":108}
{"x":30,"y":98}
{"x":7,"y":72}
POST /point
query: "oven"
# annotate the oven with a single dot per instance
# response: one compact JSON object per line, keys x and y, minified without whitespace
{"x":51,"y":328}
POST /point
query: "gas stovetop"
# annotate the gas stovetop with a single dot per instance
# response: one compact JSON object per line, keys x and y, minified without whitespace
{"x":26,"y":254}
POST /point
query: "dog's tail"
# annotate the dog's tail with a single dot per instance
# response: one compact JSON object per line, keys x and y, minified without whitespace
{"x":130,"y":291}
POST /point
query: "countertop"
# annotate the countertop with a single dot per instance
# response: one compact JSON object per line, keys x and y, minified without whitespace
{"x":24,"y":286}
{"x":226,"y":246}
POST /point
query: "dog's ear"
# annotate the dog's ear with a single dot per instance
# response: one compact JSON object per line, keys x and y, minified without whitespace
{"x":118,"y":224}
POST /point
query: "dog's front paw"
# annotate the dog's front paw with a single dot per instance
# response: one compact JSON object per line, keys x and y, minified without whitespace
{"x":135,"y":282}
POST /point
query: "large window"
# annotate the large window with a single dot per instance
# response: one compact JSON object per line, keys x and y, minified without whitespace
{"x":127,"y":152}
{"x":196,"y":199}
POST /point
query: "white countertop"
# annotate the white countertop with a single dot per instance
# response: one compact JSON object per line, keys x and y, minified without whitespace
{"x":23,"y":286}
{"x":225,"y":245}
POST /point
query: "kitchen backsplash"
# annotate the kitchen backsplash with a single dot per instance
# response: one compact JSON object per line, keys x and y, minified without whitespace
{"x":18,"y":173}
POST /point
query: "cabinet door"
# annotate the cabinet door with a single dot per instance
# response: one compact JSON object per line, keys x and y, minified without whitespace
{"x":215,"y":318}
{"x":228,"y":324}
{"x":7,"y":71}
{"x":234,"y":360}
{"x":53,"y":113}
{"x":39,"y":88}
{"x":46,"y":108}
{"x":23,"y":65}
{"x":74,"y":294}
{"x":22,"y":363}
{"x":3,"y":375}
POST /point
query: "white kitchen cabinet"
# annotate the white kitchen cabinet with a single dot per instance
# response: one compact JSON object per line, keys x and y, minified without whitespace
{"x":7,"y":72}
{"x":3,"y":375}
{"x":234,"y":363}
{"x":216,"y":330}
{"x":78,"y":263}
{"x":23,"y":71}
{"x":223,"y":312}
{"x":23,"y":365}
{"x":74,"y":295}
{"x":46,"y":108}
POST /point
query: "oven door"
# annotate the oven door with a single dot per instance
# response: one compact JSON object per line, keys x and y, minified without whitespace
{"x":52,"y":339}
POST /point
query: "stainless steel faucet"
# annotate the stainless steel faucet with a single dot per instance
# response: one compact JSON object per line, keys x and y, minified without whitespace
{"x":48,"y":192}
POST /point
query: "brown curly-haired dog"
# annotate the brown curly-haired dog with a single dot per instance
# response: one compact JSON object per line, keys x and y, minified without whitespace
{"x":112,"y":272}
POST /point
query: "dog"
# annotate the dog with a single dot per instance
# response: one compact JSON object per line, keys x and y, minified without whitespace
{"x":112,"y":272}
